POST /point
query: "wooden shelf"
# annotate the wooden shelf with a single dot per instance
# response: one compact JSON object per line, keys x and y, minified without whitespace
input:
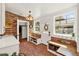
{"x":64,"y":26}
{"x":60,"y":19}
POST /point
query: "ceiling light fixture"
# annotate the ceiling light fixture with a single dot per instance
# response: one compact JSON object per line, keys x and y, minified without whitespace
{"x":29,"y":17}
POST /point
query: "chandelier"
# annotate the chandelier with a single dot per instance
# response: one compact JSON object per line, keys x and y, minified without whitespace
{"x":29,"y":17}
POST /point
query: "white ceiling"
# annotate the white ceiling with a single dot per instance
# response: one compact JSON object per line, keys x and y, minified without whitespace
{"x":38,"y":9}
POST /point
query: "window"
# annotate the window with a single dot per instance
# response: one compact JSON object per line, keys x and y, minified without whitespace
{"x":64,"y":24}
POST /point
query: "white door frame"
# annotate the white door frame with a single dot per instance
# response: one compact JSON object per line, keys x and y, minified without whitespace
{"x":19,"y":21}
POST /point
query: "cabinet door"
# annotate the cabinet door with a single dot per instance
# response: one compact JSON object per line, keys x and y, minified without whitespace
{"x":2,"y":18}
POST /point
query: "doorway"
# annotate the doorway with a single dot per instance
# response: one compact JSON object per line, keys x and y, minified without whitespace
{"x":22,"y":30}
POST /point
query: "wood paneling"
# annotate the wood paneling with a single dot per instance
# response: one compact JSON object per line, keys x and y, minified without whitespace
{"x":11,"y":23}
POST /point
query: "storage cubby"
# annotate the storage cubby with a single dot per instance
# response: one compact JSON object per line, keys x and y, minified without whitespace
{"x":53,"y":47}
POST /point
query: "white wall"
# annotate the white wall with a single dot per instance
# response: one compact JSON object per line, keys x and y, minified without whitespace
{"x":0,"y":18}
{"x":48,"y":19}
{"x":22,"y":23}
{"x":3,"y":18}
{"x":78,"y":27}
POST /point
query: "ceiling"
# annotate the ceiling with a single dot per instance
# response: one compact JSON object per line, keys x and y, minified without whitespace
{"x":38,"y":9}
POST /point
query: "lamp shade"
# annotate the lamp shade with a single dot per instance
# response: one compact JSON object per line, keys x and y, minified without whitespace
{"x":29,"y":17}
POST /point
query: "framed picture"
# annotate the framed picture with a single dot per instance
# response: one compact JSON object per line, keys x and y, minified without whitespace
{"x":46,"y":27}
{"x":37,"y":26}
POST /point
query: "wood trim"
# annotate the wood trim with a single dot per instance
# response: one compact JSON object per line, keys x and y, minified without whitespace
{"x":77,"y":53}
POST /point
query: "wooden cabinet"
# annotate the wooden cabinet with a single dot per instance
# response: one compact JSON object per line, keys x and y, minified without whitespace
{"x":2,"y":18}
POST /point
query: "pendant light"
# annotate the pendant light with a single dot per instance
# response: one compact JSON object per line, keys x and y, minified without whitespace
{"x":29,"y":17}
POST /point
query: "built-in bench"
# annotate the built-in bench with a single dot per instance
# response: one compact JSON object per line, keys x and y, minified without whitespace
{"x":61,"y":46}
